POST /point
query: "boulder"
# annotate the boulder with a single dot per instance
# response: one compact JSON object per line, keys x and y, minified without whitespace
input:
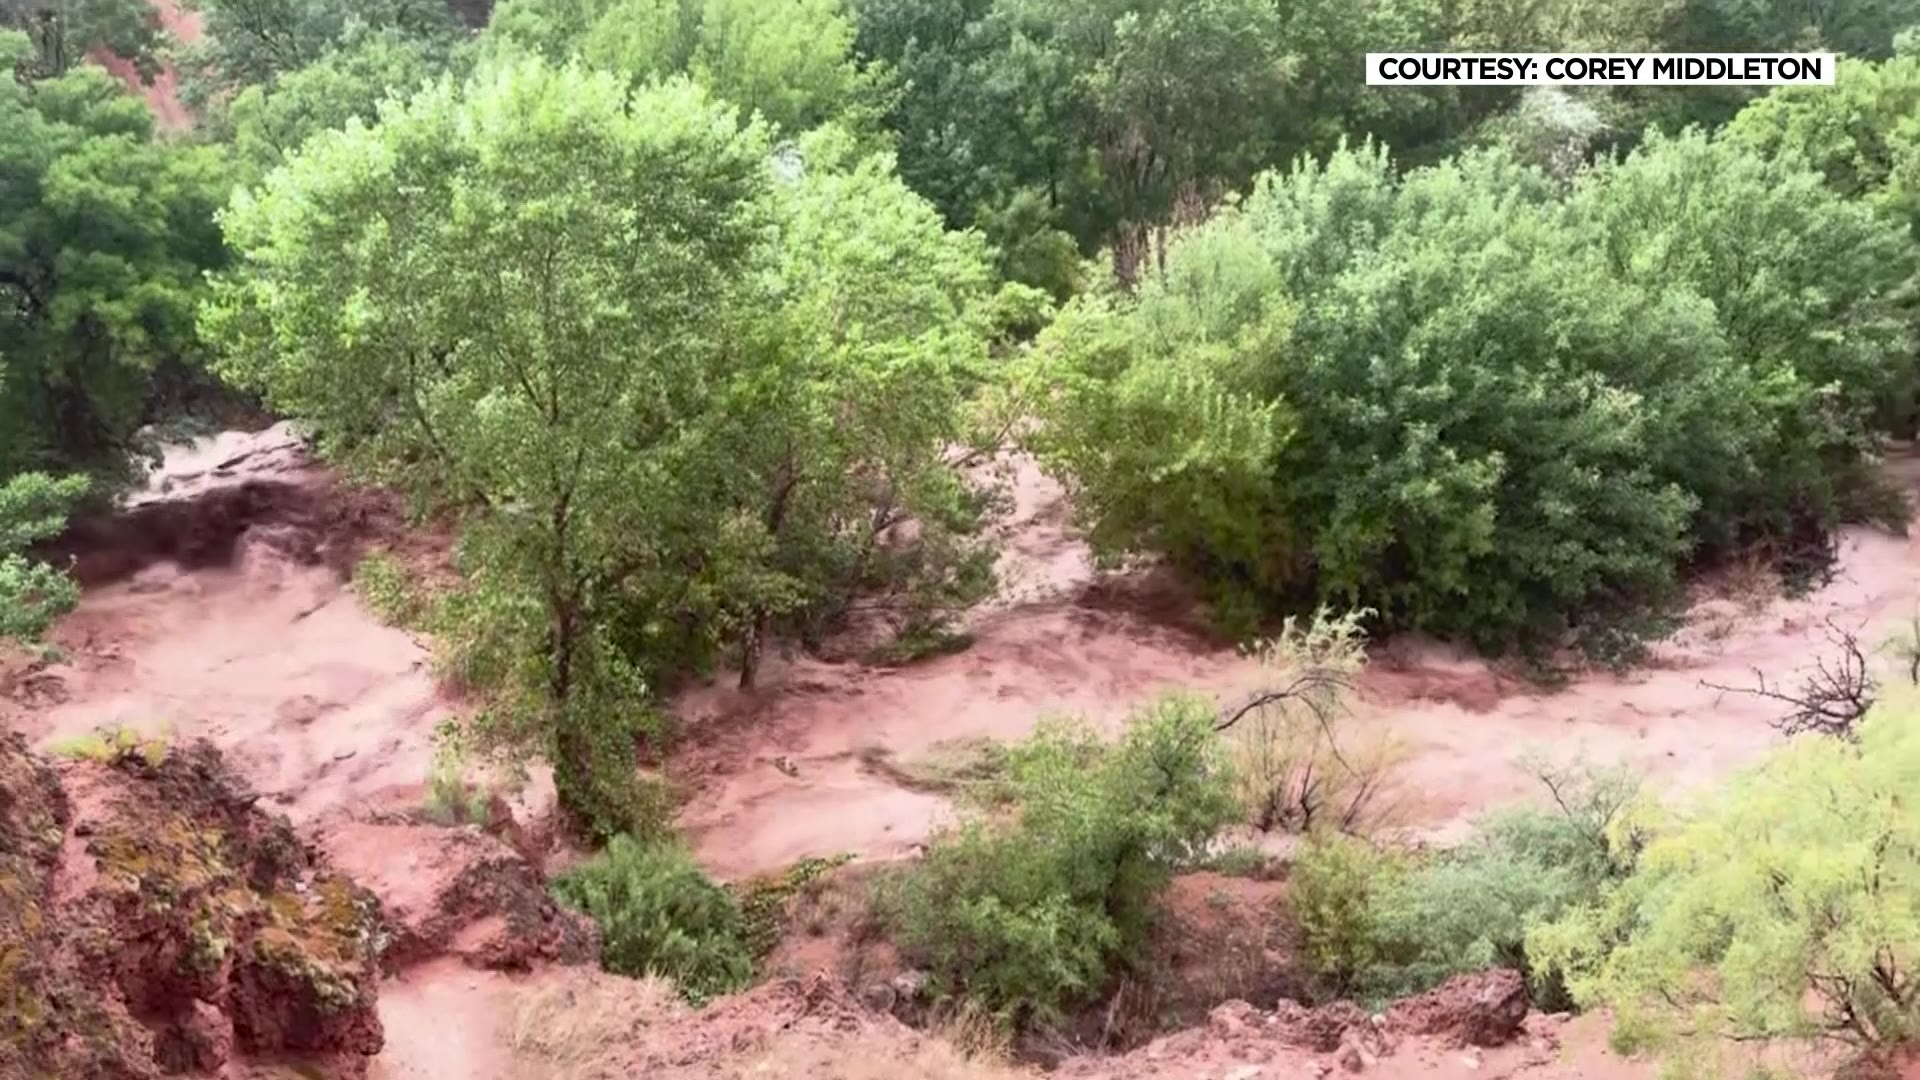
{"x":1487,"y":1008}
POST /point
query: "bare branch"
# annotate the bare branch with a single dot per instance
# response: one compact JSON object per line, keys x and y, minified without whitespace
{"x":1831,"y":699}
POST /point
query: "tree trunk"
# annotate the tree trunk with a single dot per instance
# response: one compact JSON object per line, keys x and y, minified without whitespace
{"x":776,"y":520}
{"x":572,"y":746}
{"x":1129,"y":241}
{"x":750,"y":650}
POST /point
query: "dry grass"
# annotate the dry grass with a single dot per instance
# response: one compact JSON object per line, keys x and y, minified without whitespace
{"x":565,"y":1024}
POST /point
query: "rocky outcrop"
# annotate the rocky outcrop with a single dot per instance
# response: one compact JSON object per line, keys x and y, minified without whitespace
{"x":153,"y":920}
{"x":459,"y":891}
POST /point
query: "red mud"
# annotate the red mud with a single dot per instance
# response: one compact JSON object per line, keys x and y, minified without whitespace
{"x":163,"y":93}
{"x":217,"y":607}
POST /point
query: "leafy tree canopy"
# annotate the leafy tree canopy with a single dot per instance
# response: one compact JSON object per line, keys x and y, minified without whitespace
{"x":103,"y":237}
{"x":104,"y":234}
{"x":1862,"y":133}
{"x":251,"y":42}
{"x":790,"y":64}
{"x":62,"y":32}
{"x":267,"y":121}
{"x":690,"y":389}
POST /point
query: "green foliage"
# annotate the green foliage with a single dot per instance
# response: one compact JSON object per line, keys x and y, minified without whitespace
{"x":104,"y":236}
{"x":1381,"y":925}
{"x":549,"y":231}
{"x":1862,"y":133}
{"x":1334,"y":887}
{"x":1481,"y":408}
{"x":1050,"y":115}
{"x":1863,"y":136}
{"x":383,"y":585}
{"x":659,"y":914}
{"x":62,"y":32}
{"x":1470,"y":908}
{"x":112,"y":744}
{"x":688,"y":393}
{"x":1023,"y":914}
{"x":253,"y":42}
{"x":1811,"y":292}
{"x":766,"y":902}
{"x":267,"y":121}
{"x":1785,"y":905}
{"x":788,"y":63}
{"x":33,"y":507}
{"x":451,"y":798}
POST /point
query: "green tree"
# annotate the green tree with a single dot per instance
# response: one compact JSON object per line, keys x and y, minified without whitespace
{"x":64,"y":31}
{"x":875,"y":336}
{"x":1813,"y":293}
{"x":1476,"y":406}
{"x":1094,"y":120}
{"x":1026,"y":915}
{"x":1105,"y":66}
{"x":250,"y":42}
{"x":1862,"y":133}
{"x":791,"y":65}
{"x":1785,"y":906}
{"x":690,"y":391}
{"x":515,"y":291}
{"x":104,"y":236}
{"x":267,"y":121}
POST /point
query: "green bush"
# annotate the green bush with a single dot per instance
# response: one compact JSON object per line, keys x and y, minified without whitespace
{"x":1381,"y":926}
{"x":451,"y":798}
{"x":1784,"y":906}
{"x":1478,"y":402}
{"x":33,"y":508}
{"x":659,"y":914}
{"x":1470,"y":908}
{"x":383,"y":585}
{"x":108,"y":745}
{"x":1023,"y":913}
{"x":1334,"y":887}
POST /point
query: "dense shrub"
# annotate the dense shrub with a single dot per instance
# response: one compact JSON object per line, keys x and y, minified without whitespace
{"x":1334,"y":887}
{"x":1863,"y":135}
{"x":1381,"y":925}
{"x":1469,"y":909}
{"x":1023,"y":913}
{"x":33,"y":508}
{"x":1787,"y":905}
{"x":1481,"y":406}
{"x":659,"y":914}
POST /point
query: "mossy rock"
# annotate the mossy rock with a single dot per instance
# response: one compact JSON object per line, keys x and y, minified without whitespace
{"x":197,"y":901}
